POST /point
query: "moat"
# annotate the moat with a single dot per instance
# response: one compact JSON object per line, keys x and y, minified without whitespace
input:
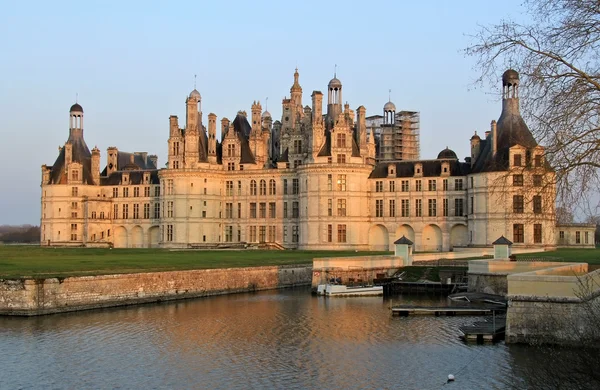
{"x":273,"y":339}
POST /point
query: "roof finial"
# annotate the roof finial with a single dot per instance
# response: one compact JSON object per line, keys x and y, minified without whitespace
{"x":335,"y":71}
{"x":267,"y":103}
{"x":389,"y":95}
{"x":76,"y":97}
{"x":194,"y":81}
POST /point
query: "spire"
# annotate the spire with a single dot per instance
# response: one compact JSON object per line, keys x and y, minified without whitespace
{"x":296,"y":86}
{"x":194,"y":81}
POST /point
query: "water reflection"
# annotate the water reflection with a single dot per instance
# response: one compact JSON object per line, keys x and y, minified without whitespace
{"x":277,"y":339}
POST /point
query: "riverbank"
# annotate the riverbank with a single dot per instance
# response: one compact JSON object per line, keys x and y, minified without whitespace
{"x":31,"y":297}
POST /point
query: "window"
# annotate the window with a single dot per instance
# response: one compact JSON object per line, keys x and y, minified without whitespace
{"x":418,"y":208}
{"x":115,"y":211}
{"x":228,"y":233}
{"x":170,"y":187}
{"x":405,"y":186}
{"x":518,"y":233}
{"x":272,"y":209}
{"x":136,"y":192}
{"x":295,"y":186}
{"x":93,"y":215}
{"x":285,"y":234}
{"x":432,"y":184}
{"x":472,"y":182}
{"x":392,"y":207}
{"x":263,"y":187}
{"x":537,"y":204}
{"x":341,"y":140}
{"x":74,"y":191}
{"x":285,"y":187}
{"x":418,"y":185}
{"x":341,"y":207}
{"x":518,"y":204}
{"x":432,"y":207}
{"x":341,"y":231}
{"x":379,"y":186}
{"x":229,"y":188}
{"x":341,"y":158}
{"x":272,"y":187}
{"x":445,"y":185}
{"x":472,"y":206}
{"x":252,"y":210}
{"x":175,"y":164}
{"x":295,"y":234}
{"x":537,"y":180}
{"x":271,"y":237}
{"x":295,"y":210}
{"x":175,"y":148}
{"x":74,"y":205}
{"x":379,"y":208}
{"x":329,"y":207}
{"x":115,"y":192}
{"x":101,"y":214}
{"x":518,"y":180}
{"x":252,"y":187}
{"x":458,"y":184}
{"x":445,"y":207}
{"x":231,"y":150}
{"x":125,"y":211}
{"x":239,"y":192}
{"x":459,"y":210}
{"x":74,"y":214}
{"x":146,"y":192}
{"x":239,"y":213}
{"x":231,"y":166}
{"x":341,"y":182}
{"x":297,"y":146}
{"x":75,"y":175}
{"x":125,"y":192}
{"x":329,"y":233}
{"x":392,"y":186}
{"x":136,"y":211}
{"x":537,"y":161}
{"x":577,"y":237}
{"x":405,"y":208}
{"x":228,"y":210}
{"x":169,"y":233}
{"x":329,"y":182}
{"x":537,"y":233}
{"x":285,"y":210}
{"x":156,"y":210}
{"x":146,"y":210}
{"x":517,"y":160}
{"x":157,"y":191}
{"x":587,"y":237}
{"x":252,"y":234}
{"x":561,"y":235}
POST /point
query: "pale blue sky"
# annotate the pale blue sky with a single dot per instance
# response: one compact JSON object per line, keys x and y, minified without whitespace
{"x":133,"y":63}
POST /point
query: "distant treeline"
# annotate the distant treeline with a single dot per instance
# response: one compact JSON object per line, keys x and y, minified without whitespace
{"x":21,"y":233}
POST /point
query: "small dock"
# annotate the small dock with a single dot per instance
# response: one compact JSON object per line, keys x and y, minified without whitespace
{"x":490,"y":330}
{"x":406,"y":310}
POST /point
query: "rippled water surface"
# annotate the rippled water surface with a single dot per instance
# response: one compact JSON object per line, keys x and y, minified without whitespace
{"x":275,"y":339}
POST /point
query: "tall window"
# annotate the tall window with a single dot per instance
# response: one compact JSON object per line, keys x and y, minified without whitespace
{"x":341,"y":140}
{"x":379,"y":186}
{"x":418,"y":207}
{"x":518,"y":204}
{"x":445,"y":207}
{"x":272,"y":209}
{"x":518,"y":180}
{"x":252,"y":187}
{"x":518,"y":233}
{"x":329,"y":207}
{"x":136,"y":192}
{"x":392,"y":186}
{"x":263,"y":187}
{"x":285,"y":210}
{"x":295,"y":186}
{"x":170,"y":209}
{"x":537,"y":233}
{"x":231,"y":150}
{"x":75,"y":175}
{"x":445,"y":185}
{"x":537,"y":180}
{"x":577,"y":237}
{"x":156,"y":210}
{"x":239,"y":192}
{"x":262,"y":233}
{"x":341,"y":158}
{"x":432,"y":184}
{"x":170,"y":187}
{"x":432,"y":207}
{"x":405,"y":186}
{"x":285,"y":187}
{"x":228,"y":210}
{"x":537,"y":204}
{"x":537,"y":160}
{"x":228,"y":233}
{"x":239,"y":211}
{"x":74,"y":191}
{"x":329,"y":182}
{"x":392,"y":207}
{"x":125,"y":192}
{"x":146,"y":192}
{"x":341,"y":233}
{"x":169,"y":232}
{"x":341,"y":207}
{"x":262,"y":210}
{"x":146,"y":210}
{"x":295,"y":234}
{"x":252,"y":210}
{"x":329,"y":233}
{"x":517,"y":160}
{"x":297,"y":146}
{"x":418,"y":185}
{"x":125,"y":211}
{"x":459,"y":207}
{"x":458,"y":184}
{"x":272,"y":187}
{"x":295,"y":210}
{"x":379,"y":208}
{"x":341,"y":183}
{"x":229,"y":188}
{"x":405,"y":208}
{"x":115,"y":192}
{"x":252,"y":234}
{"x":136,"y":211}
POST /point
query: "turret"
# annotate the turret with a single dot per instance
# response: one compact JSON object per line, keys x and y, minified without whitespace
{"x":111,"y":159}
{"x":96,"y":165}
{"x":256,"y":118}
{"x":334,"y":100}
{"x":361,"y":127}
{"x":224,"y":128}
{"x":212,"y":138}
{"x":193,"y":115}
{"x":296,"y":93}
{"x":173,"y":126}
{"x":475,"y":146}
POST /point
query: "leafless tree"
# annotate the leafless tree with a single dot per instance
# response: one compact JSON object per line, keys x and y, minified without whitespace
{"x":557,"y":55}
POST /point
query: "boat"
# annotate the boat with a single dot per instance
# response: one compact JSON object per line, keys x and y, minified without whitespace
{"x":341,"y":290}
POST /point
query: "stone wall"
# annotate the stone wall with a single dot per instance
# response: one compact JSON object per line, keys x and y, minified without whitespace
{"x":360,"y":269}
{"x":489,"y":283}
{"x":53,"y":295}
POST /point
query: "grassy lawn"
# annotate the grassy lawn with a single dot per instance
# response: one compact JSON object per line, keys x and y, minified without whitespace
{"x":35,"y":261}
{"x":590,"y":256}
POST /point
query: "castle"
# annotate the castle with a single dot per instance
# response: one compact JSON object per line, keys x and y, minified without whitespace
{"x":311,"y":180}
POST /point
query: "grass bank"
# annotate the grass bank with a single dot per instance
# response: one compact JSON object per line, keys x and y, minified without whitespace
{"x":33,"y":261}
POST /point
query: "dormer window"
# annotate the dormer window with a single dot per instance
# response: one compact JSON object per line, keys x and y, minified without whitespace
{"x":537,"y":160}
{"x":517,"y":160}
{"x":75,"y":175}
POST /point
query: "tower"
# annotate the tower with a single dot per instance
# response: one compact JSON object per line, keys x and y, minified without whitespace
{"x":334,"y":99}
{"x":75,"y":120}
{"x":212,"y":138}
{"x":256,"y":118}
{"x":193,"y":125}
{"x":296,"y":96}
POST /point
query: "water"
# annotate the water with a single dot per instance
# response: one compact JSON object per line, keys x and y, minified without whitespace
{"x":277,"y":339}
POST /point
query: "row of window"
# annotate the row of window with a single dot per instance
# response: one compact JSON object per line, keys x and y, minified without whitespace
{"x":135,"y":192}
{"x":519,"y":204}
{"x":518,"y":180}
{"x":432,"y":208}
{"x":518,"y":160}
{"x":255,"y":234}
{"x":561,"y":236}
{"x":136,"y":211}
{"x":431,"y":185}
{"x":519,"y":233}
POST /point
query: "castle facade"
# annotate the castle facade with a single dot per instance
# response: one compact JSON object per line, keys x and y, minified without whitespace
{"x":311,"y":180}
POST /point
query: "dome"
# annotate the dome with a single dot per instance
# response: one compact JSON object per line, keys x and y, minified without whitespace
{"x":511,"y":76}
{"x":389,"y":106}
{"x":195,"y":94}
{"x":447,"y":154}
{"x":76,"y":108}
{"x":335,"y":83}
{"x":266,"y":114}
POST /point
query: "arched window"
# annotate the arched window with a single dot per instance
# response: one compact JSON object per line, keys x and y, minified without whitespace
{"x":272,"y":188}
{"x":253,"y":187}
{"x":263,"y":187}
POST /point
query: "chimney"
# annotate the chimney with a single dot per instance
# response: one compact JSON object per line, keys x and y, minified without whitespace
{"x":153,"y":159}
{"x":96,"y":165}
{"x":68,"y":153}
{"x":494,"y":137}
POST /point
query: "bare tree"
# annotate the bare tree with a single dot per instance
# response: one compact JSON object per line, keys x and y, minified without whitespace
{"x":557,"y":55}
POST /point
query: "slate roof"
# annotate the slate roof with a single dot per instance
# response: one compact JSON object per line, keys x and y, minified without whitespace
{"x":135,"y":177}
{"x":403,"y":240}
{"x":242,"y":129}
{"x":502,"y":241}
{"x":431,"y":168}
{"x":80,"y":154}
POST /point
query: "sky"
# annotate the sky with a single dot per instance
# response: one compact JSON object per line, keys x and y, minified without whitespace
{"x":131,"y":64}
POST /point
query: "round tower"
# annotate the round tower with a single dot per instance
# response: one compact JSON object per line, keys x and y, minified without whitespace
{"x":76,"y":119}
{"x":389,"y":113}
